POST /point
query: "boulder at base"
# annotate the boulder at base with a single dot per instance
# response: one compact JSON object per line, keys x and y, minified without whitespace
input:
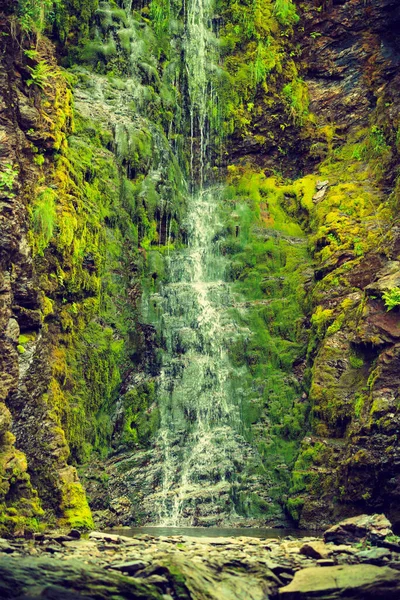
{"x":350,"y":582}
{"x":370,"y":527}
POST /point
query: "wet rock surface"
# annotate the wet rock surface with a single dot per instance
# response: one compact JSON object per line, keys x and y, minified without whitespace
{"x":106,"y":565}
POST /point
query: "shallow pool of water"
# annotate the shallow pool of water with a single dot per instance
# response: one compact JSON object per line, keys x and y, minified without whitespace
{"x":208,"y":532}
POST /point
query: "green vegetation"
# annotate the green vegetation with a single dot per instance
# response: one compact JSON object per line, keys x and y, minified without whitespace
{"x":44,"y":218}
{"x":36,"y":15}
{"x":285,"y":12}
{"x":269,"y":258}
{"x":8,"y":177}
{"x":109,"y":208}
{"x":75,"y":507}
{"x":391,"y":298}
{"x":40,"y":74}
{"x":141,"y":416}
{"x":68,"y":19}
{"x":260,"y":77}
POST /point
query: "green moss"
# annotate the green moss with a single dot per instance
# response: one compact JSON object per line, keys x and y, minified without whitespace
{"x":260,"y":73}
{"x":20,"y":509}
{"x":44,"y":218}
{"x":76,"y":511}
{"x":268,"y":258}
{"x":359,"y":405}
{"x":295,"y":506}
{"x":356,"y":362}
{"x":140,"y":416}
{"x":320,"y":320}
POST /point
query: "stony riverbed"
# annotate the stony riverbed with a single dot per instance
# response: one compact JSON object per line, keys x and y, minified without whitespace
{"x":352,"y":560}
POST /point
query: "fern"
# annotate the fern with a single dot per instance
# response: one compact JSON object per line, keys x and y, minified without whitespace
{"x":40,"y":74}
{"x":391,"y":298}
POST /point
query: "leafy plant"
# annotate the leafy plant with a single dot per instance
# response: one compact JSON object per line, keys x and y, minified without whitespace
{"x":285,"y":12}
{"x":40,"y":74}
{"x":32,"y":54}
{"x":263,"y":62}
{"x":35,"y":15}
{"x":377,"y":141}
{"x":296,"y":95}
{"x":391,"y":298}
{"x":7,"y":177}
{"x":39,"y":159}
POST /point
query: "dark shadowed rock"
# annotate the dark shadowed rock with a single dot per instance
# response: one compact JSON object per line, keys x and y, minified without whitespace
{"x":130,"y":567}
{"x":31,"y":578}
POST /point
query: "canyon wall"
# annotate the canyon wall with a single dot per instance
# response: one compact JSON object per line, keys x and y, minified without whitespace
{"x":92,"y":190}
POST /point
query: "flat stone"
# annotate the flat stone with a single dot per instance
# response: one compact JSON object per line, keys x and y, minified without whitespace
{"x":214,"y":541}
{"x":52,"y":549}
{"x":343,"y":549}
{"x":355,"y":582}
{"x":82,"y":545}
{"x":6,"y":547}
{"x":374,"y":555}
{"x":105,"y":537}
{"x":63,"y":538}
{"x":316,"y":550}
{"x":319,"y":195}
{"x":326,"y":562}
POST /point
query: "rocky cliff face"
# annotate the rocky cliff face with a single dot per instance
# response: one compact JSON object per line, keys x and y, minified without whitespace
{"x":33,"y":127}
{"x":349,"y":463}
{"x":73,"y":212}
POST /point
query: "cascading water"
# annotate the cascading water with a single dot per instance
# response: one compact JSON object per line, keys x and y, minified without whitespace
{"x":192,"y":429}
{"x":200,"y":57}
{"x":199,"y":395}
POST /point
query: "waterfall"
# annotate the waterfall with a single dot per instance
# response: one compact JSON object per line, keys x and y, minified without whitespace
{"x":200,"y":55}
{"x":199,"y":395}
{"x":196,"y":463}
{"x":199,"y":391}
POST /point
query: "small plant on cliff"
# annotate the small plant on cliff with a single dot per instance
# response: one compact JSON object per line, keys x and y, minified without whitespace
{"x":285,"y":12}
{"x":40,"y":74}
{"x":296,"y":96}
{"x":391,"y":298}
{"x":7,"y":178}
{"x":376,"y":146}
